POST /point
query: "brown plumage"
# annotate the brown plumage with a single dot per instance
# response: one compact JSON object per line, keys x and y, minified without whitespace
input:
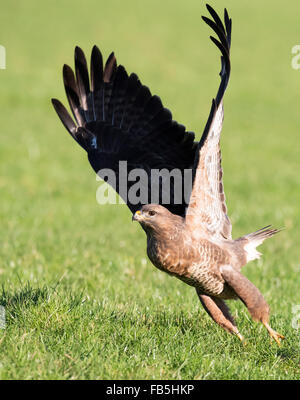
{"x":116,"y":118}
{"x":211,"y":265}
{"x":198,"y":248}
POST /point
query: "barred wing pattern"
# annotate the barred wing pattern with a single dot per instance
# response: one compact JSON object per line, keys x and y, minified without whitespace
{"x":207,"y":211}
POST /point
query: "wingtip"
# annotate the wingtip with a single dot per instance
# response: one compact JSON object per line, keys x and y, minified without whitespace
{"x":66,"y":66}
{"x":55,"y":102}
{"x":67,"y":70}
{"x":77,"y":48}
{"x":111,"y":59}
{"x":110,"y":67}
{"x":79,"y":54}
{"x":58,"y":106}
{"x":95,"y":48}
{"x":96,"y":51}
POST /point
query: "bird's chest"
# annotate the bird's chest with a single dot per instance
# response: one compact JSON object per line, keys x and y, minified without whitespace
{"x":195,"y":265}
{"x":164,"y":255}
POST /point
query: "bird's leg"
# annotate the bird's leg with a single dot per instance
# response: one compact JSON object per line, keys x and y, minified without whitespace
{"x":251,"y":297}
{"x":273,"y":334}
{"x":219,"y":312}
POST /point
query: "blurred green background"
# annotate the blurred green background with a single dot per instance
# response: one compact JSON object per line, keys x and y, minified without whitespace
{"x":81,"y":299}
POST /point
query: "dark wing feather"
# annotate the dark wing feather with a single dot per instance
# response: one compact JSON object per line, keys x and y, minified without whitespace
{"x":118,"y":119}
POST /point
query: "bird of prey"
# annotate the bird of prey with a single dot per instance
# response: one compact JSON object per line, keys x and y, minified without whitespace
{"x":117,"y":118}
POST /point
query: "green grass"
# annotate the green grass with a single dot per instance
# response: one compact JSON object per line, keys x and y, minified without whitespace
{"x":81,"y":299}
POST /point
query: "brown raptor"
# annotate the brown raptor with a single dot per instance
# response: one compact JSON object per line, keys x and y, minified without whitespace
{"x":117,"y":118}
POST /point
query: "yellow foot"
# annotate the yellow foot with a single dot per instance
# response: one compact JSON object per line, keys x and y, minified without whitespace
{"x":273,"y":334}
{"x":241,"y":337}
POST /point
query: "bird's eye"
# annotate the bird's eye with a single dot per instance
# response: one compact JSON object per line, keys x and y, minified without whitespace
{"x":151,"y":213}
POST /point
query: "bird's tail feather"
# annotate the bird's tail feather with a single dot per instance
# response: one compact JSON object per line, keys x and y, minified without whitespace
{"x":254,"y":239}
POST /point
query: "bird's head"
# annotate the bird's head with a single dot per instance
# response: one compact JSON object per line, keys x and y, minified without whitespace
{"x":153,"y":217}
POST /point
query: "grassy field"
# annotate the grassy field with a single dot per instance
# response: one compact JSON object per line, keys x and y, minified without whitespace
{"x":82,"y":300}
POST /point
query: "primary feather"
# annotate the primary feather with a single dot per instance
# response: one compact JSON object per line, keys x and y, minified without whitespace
{"x":116,"y":118}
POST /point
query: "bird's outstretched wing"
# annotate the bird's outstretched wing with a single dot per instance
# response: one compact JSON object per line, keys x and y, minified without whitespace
{"x":207,"y":211}
{"x":116,"y":118}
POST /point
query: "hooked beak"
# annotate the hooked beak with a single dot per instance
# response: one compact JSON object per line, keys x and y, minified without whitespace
{"x":136,"y":216}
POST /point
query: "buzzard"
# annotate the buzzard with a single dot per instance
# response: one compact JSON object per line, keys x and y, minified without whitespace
{"x":117,"y":118}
